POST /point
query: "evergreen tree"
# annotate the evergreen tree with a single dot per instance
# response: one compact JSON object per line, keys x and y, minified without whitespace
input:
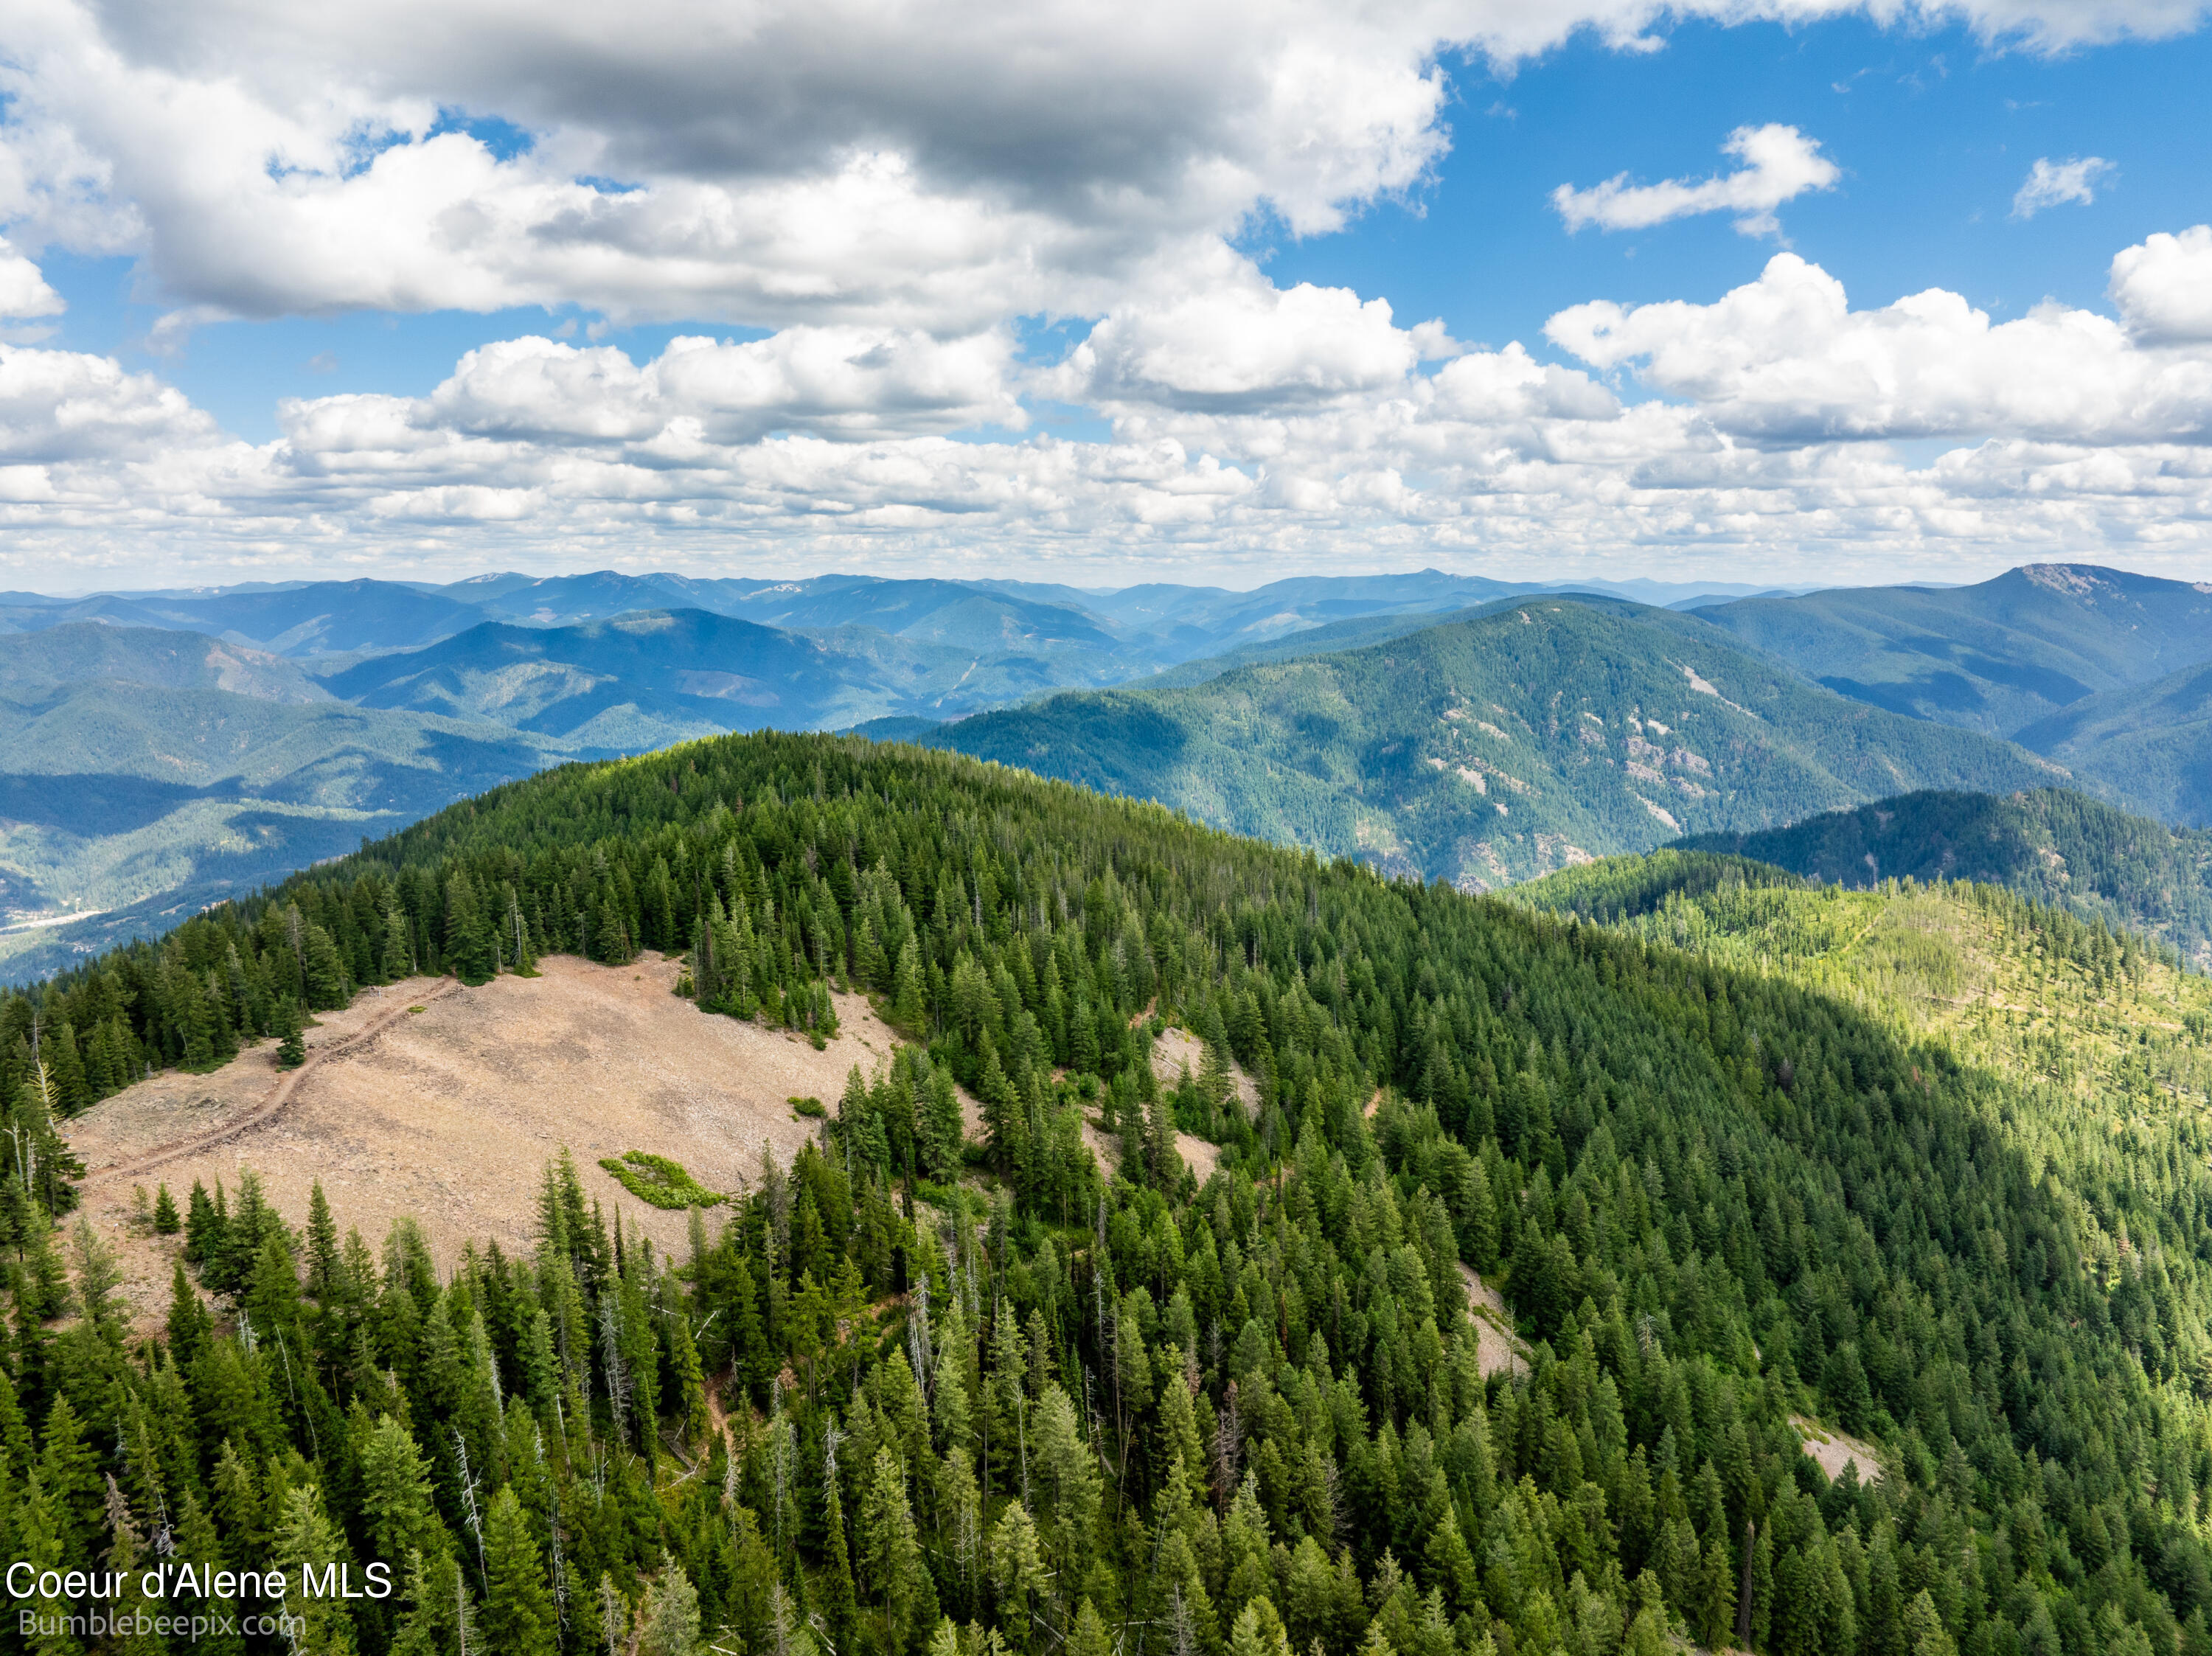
{"x":907,"y":1012}
{"x":69,"y":1473}
{"x":671,"y":1618}
{"x":470,"y":950}
{"x":305,"y":1538}
{"x":838,"y":1601}
{"x":291,"y":1047}
{"x":398,"y":944}
{"x":518,"y":1617}
{"x":327,"y":986}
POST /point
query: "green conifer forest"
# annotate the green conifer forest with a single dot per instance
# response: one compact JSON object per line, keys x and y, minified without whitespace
{"x":915,"y":1392}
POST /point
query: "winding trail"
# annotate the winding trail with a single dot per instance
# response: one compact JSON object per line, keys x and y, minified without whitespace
{"x":281,"y":1095}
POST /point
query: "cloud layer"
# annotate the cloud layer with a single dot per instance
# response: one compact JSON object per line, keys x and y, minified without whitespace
{"x":890,"y":191}
{"x":1251,"y":428}
{"x":913,"y":163}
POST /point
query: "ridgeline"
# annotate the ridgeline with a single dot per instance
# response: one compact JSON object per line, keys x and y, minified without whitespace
{"x":915,"y":1392}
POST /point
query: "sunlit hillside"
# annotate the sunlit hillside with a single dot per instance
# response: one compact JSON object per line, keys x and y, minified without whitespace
{"x":2105,"y":1041}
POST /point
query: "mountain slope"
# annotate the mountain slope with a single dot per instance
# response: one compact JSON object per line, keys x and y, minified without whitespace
{"x":115,"y":799}
{"x":1718,"y":1203}
{"x":1327,"y":638}
{"x":157,"y":657}
{"x":2148,"y":746}
{"x":1994,"y":657}
{"x":1493,"y":750}
{"x":2053,"y":844}
{"x":2103,"y":1035}
{"x":316,"y":618}
{"x":647,"y":678}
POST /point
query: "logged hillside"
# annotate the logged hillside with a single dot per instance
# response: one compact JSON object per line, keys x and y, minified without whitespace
{"x":1493,"y":750}
{"x":2106,"y":1038}
{"x":2056,"y":847}
{"x":917,"y":1393}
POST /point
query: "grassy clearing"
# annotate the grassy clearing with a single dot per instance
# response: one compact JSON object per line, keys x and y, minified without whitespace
{"x":660,"y":1182}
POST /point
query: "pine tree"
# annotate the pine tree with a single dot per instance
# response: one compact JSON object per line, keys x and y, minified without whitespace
{"x":189,"y":1323}
{"x":327,"y":988}
{"x":199,"y":1540}
{"x":395,"y":1499}
{"x":204,"y":1238}
{"x":304,"y":1537}
{"x":1002,"y":1110}
{"x":99,"y":1278}
{"x":894,"y":1553}
{"x":322,"y":1246}
{"x":469,"y":948}
{"x":42,"y":1542}
{"x":436,"y":1617}
{"x":691,"y":1384}
{"x":1258,"y":1631}
{"x":1090,"y":1637}
{"x":907,"y":1011}
{"x":518,"y":1617}
{"x":69,"y":1470}
{"x":291,"y":1047}
{"x":1451,"y":1566}
{"x":839,"y":1603}
{"x":167,"y":1221}
{"x":398,"y":943}
{"x":670,"y":1622}
{"x":1017,"y":1575}
{"x":1712,"y":1613}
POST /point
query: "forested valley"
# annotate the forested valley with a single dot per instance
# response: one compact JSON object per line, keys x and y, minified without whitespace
{"x":982,"y":1396}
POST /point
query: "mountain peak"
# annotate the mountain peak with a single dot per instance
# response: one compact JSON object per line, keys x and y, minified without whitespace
{"x":2078,"y":579}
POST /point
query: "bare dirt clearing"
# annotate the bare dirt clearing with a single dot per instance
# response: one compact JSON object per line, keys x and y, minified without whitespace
{"x":1836,"y":1450}
{"x":1199,"y":1156}
{"x":1496,"y":1346}
{"x":450,"y":1113}
{"x":1177,"y":1050}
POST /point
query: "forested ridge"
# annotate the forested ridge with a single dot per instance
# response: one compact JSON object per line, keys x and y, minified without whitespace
{"x":1497,"y":748}
{"x":911,"y":1392}
{"x":2062,"y":849}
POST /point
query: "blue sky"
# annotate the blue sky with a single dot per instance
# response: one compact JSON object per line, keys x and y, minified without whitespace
{"x":1935,"y":131}
{"x":1199,"y":344}
{"x":1934,"y":134}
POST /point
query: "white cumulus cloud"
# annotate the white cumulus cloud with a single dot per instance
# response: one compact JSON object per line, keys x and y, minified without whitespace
{"x":1786,"y":360}
{"x":23,"y":290}
{"x":886,"y":189}
{"x":2163,"y":286}
{"x":1780,"y":163}
{"x":2054,"y":184}
{"x":913,"y":163}
{"x":836,"y":381}
{"x":1239,"y":342}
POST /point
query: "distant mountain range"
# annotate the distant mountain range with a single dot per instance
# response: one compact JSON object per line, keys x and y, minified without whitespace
{"x":1492,"y":749}
{"x":1412,"y":719}
{"x":1141,"y":628}
{"x":2098,"y":668}
{"x":292,"y":719}
{"x":148,"y":772}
